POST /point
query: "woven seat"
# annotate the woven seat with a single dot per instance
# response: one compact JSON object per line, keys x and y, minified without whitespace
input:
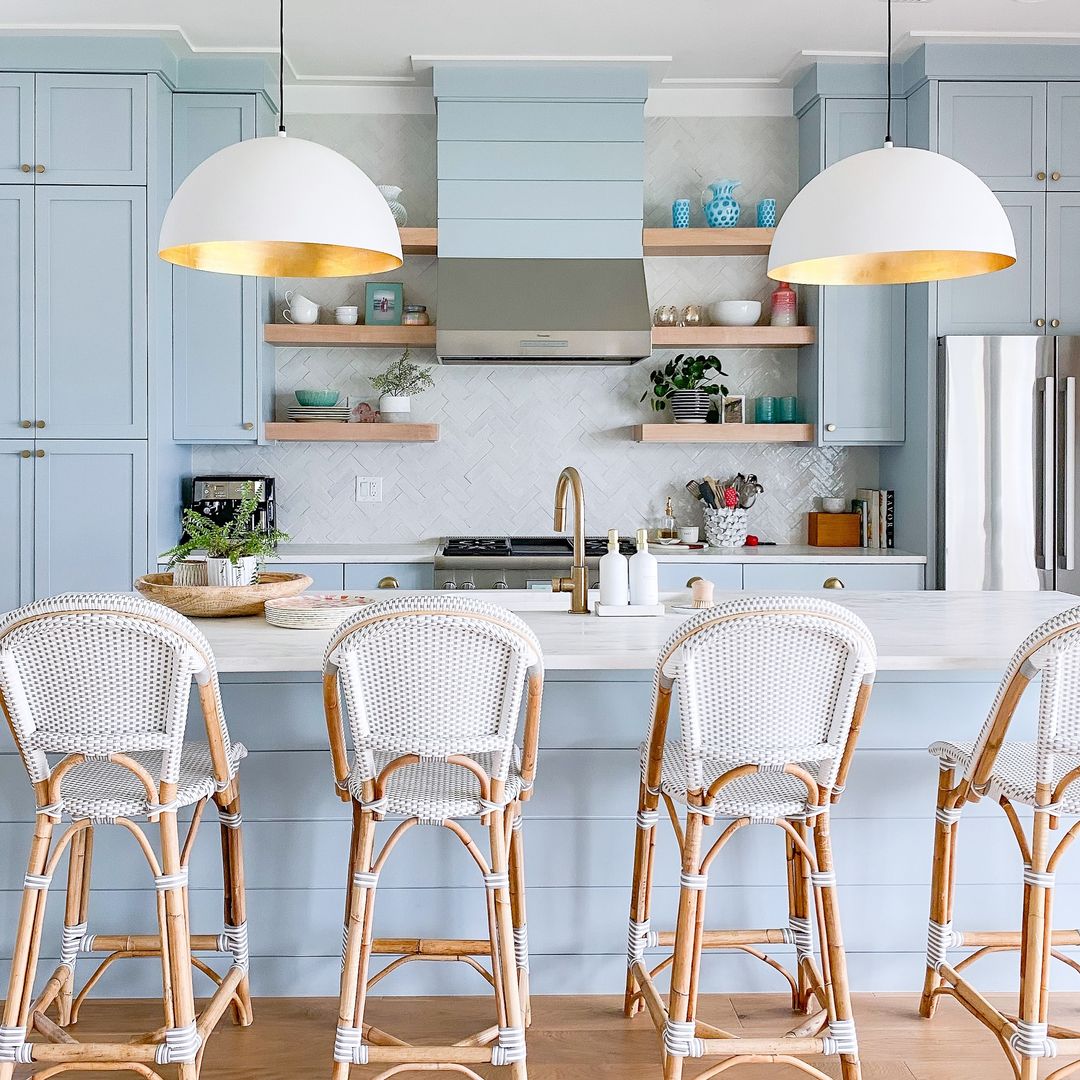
{"x":100,"y":790}
{"x":433,"y":789}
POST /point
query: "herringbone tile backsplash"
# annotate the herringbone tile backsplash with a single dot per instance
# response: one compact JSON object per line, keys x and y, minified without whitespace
{"x":506,"y":432}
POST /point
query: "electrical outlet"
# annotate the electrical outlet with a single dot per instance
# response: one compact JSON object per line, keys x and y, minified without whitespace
{"x":369,"y":489}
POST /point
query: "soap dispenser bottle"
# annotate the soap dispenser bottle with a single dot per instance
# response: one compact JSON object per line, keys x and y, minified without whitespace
{"x":644,"y":577}
{"x":614,"y":574}
{"x":669,"y":529}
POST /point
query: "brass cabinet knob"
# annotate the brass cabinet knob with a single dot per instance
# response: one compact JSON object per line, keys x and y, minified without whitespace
{"x":1055,"y":176}
{"x":832,"y":583}
{"x":39,"y":453}
{"x":26,"y":423}
{"x":25,"y":454}
{"x":39,"y":168}
{"x":1055,"y":323}
{"x":830,"y":427}
{"x":1040,"y":175}
{"x":25,"y":168}
{"x":248,"y":425}
{"x":1040,"y":322}
{"x":39,"y":424}
{"x":389,"y":583}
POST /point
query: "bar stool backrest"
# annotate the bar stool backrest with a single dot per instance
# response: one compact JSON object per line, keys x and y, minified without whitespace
{"x":103,"y":673}
{"x":768,"y":681}
{"x":433,"y":676}
{"x":1052,"y":651}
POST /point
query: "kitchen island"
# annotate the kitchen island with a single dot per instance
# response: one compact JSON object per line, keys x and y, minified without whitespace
{"x":940,"y":658}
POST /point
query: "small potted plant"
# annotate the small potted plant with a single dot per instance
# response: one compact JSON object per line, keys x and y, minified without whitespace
{"x":688,"y":382}
{"x":401,"y":381}
{"x":234,"y":550}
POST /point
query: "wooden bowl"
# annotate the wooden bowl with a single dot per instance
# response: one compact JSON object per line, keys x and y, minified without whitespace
{"x":218,"y":601}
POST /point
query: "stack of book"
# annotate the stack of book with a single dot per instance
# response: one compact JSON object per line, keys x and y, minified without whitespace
{"x":875,"y":510}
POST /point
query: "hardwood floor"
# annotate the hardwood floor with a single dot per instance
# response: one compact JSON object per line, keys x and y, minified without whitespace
{"x":581,"y":1038}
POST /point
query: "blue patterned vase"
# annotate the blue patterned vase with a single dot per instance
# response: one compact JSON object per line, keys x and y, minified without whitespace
{"x":720,"y":206}
{"x":766,"y":214}
{"x":680,"y":214}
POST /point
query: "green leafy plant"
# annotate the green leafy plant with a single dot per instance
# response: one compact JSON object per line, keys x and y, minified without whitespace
{"x":685,"y":372}
{"x":234,"y":540}
{"x":403,"y":378}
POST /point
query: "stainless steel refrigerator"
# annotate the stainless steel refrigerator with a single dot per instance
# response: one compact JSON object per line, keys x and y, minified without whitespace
{"x":1007,"y":499}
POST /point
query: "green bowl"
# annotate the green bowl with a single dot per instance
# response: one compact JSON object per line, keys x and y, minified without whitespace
{"x":321,"y":398}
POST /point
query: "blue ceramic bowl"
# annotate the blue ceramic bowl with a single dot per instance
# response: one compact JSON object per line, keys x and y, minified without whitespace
{"x":321,"y":398}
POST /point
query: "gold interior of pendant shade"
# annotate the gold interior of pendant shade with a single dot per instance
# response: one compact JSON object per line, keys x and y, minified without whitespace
{"x":277,"y":258}
{"x":891,"y":267}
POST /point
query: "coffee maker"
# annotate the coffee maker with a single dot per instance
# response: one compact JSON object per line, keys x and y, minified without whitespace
{"x":219,"y":497}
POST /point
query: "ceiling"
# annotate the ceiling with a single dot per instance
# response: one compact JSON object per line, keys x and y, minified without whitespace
{"x":704,"y":42}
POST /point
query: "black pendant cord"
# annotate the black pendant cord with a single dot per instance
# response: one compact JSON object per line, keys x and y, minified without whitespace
{"x":888,"y":76}
{"x":281,"y":67}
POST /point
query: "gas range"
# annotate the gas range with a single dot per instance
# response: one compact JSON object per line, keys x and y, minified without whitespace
{"x":514,"y":562}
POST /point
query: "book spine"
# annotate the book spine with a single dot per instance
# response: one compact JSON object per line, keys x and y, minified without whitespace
{"x":866,"y":495}
{"x":890,"y":515}
{"x":858,"y":506}
{"x":881,"y":519}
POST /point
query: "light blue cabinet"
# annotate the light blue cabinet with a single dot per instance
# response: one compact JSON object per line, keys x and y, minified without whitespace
{"x":809,"y":577}
{"x":324,"y":576}
{"x":851,"y":381}
{"x":677,"y":573}
{"x":90,"y":129}
{"x":1063,"y":263}
{"x":16,"y":309}
{"x":90,"y":312}
{"x":16,"y":523}
{"x":90,"y":515}
{"x":362,"y":576}
{"x":16,"y":128}
{"x":1063,"y":136}
{"x":1011,"y":301}
{"x":215,"y":316}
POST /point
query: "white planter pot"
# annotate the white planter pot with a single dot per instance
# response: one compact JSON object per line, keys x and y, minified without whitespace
{"x":189,"y":572}
{"x":244,"y":571}
{"x":725,"y":527}
{"x":690,"y":406}
{"x":395,"y":410}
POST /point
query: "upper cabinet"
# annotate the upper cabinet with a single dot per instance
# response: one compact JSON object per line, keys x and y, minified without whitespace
{"x":852,"y":379}
{"x":16,"y":310}
{"x":16,"y":128}
{"x":1063,"y":136}
{"x":216,"y":317}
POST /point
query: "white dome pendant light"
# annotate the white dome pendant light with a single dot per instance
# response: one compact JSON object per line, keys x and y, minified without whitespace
{"x":280,"y":207}
{"x":891,"y":216}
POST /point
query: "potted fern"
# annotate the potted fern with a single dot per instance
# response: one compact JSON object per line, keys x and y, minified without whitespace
{"x":688,"y":383}
{"x":400,"y":382}
{"x":234,"y":551}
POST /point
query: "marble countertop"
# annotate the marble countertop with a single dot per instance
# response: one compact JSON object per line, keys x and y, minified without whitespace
{"x":423,"y":551}
{"x":914,"y":631}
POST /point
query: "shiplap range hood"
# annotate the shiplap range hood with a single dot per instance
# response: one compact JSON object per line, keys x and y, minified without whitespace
{"x":541,"y":177}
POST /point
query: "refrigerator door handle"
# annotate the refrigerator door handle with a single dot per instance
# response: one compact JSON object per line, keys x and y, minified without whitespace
{"x":1046,"y":541}
{"x":1069,"y":507}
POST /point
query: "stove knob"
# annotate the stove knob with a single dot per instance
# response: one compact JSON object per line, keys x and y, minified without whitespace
{"x":468,"y":585}
{"x":500,"y":585}
{"x":449,"y":584}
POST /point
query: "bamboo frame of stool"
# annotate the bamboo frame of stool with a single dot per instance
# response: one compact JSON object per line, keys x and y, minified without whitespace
{"x":808,"y":850}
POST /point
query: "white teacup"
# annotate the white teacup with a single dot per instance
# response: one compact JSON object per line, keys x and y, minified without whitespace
{"x":347,"y":315}
{"x":300,"y":309}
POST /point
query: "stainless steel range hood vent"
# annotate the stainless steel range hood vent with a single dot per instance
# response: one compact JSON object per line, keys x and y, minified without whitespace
{"x":551,"y":311}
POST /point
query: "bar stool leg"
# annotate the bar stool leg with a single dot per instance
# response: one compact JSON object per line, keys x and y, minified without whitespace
{"x":942,"y":889}
{"x":75,"y":915}
{"x":640,"y":896}
{"x":232,"y":865}
{"x":834,"y":960}
{"x":517,"y":909}
{"x":1030,"y":1041}
{"x":799,"y":917}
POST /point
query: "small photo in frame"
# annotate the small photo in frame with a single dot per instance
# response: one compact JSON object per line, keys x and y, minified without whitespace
{"x":383,"y":304}
{"x":734,"y":410}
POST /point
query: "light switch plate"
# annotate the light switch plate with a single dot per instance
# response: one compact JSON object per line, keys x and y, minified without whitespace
{"x":369,"y":489}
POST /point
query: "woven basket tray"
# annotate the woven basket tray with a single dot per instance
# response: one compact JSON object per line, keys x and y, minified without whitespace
{"x":217,"y":601}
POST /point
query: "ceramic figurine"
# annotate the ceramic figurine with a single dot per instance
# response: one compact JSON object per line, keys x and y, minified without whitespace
{"x":719,"y":204}
{"x":392,"y":194}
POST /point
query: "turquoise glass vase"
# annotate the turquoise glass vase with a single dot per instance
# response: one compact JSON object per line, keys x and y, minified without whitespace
{"x":720,"y":205}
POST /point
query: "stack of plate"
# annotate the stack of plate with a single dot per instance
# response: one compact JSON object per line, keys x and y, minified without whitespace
{"x":319,"y":414}
{"x":313,"y":611}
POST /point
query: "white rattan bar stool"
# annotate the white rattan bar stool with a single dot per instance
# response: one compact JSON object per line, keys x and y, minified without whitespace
{"x":95,"y":689}
{"x":433,"y":690}
{"x":1045,"y":777}
{"x":771,"y":746}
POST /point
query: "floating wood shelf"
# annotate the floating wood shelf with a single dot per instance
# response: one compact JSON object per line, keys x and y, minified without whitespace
{"x":732,"y":337}
{"x":724,"y":433}
{"x":707,"y":241}
{"x":292,"y":431}
{"x":419,"y":241}
{"x":326,"y":335}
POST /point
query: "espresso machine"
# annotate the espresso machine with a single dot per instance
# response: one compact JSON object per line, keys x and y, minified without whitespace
{"x":219,"y":497}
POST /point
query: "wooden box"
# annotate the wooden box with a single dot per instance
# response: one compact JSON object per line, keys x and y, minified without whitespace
{"x":832,"y":530}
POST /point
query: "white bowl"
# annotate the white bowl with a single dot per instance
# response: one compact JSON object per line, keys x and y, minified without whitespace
{"x":832,"y":505}
{"x":735,"y":312}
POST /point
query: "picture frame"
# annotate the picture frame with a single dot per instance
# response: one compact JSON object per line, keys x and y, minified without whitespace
{"x":733,"y":410}
{"x":383,"y":303}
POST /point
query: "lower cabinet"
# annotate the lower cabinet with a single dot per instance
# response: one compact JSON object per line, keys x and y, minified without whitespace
{"x":809,"y":577}
{"x":361,"y":576}
{"x":80,"y":517}
{"x":676,"y":575}
{"x":324,"y":576}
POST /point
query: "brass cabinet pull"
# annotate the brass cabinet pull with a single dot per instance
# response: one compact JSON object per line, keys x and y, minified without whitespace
{"x":389,"y":583}
{"x":26,"y":423}
{"x":1055,"y":323}
{"x":40,"y":424}
{"x":25,"y":454}
{"x":832,"y":583}
{"x":39,"y":453}
{"x":25,"y":168}
{"x":1040,"y":322}
{"x":1055,"y":176}
{"x":39,"y":169}
{"x":1040,"y":176}
{"x":248,"y":425}
{"x":830,"y":427}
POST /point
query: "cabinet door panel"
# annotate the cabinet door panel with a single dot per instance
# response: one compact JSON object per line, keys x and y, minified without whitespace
{"x":364,"y":576}
{"x":812,"y":576}
{"x":1009,"y":301}
{"x":90,"y":516}
{"x":91,"y":312}
{"x":998,"y":130}
{"x":215,"y":332}
{"x":16,"y":128}
{"x":675,"y":574}
{"x":91,"y":129}
{"x":1063,"y":136}
{"x":16,"y":524}
{"x":16,"y":309}
{"x":1063,"y":262}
